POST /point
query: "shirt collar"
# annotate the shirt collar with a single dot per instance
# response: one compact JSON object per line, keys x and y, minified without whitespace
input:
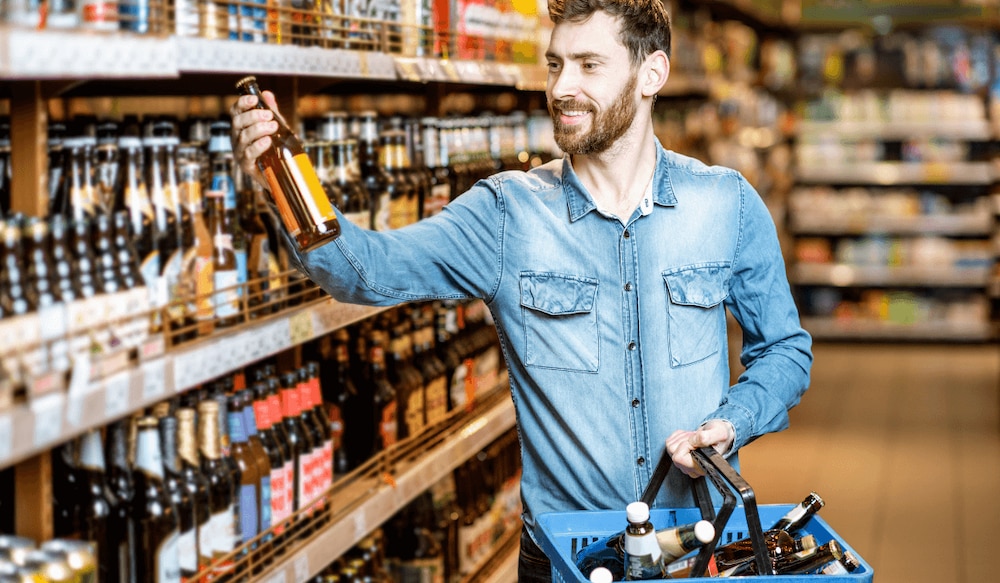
{"x":580,"y":202}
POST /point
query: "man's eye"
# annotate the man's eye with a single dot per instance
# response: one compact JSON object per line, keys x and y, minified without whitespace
{"x":553,"y":66}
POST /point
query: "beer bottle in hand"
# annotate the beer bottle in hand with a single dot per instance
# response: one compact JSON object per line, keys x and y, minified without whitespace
{"x":305,"y":209}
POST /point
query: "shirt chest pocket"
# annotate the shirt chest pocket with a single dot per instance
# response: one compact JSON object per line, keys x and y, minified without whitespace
{"x":695,"y":316}
{"x":560,"y":321}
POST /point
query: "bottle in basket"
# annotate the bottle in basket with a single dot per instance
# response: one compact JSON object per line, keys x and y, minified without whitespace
{"x":643,"y":557}
{"x":305,"y":208}
{"x":800,"y":514}
{"x":601,"y":575}
{"x":674,"y":541}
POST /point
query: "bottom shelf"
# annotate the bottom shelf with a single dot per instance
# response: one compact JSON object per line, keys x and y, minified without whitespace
{"x":371,"y":500}
{"x":501,"y":567}
{"x":833,"y":329}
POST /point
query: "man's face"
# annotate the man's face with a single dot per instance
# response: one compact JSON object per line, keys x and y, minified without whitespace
{"x":591,"y":86}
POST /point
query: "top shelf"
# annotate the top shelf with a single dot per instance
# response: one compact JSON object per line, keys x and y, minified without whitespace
{"x":971,"y":129}
{"x":49,"y":54}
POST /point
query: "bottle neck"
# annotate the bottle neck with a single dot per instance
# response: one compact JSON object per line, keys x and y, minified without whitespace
{"x":187,"y":448}
{"x":148,"y":455}
{"x":92,"y":452}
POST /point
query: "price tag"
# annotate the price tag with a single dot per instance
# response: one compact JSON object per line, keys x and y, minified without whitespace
{"x":6,"y":437}
{"x":300,"y":328}
{"x":407,"y":70}
{"x":48,"y":419}
{"x":79,"y":387}
{"x":154,"y":380}
{"x":360,"y":524}
{"x":116,"y":395}
{"x":302,"y":567}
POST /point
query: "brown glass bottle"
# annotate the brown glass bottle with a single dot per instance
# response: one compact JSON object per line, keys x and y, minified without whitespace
{"x":13,"y":284}
{"x":87,"y":278}
{"x":339,"y":395}
{"x":303,"y":447}
{"x":432,"y":368}
{"x":62,"y":261}
{"x":132,"y":196}
{"x":121,"y":531}
{"x":406,"y":380}
{"x":42,"y":291}
{"x":196,"y":485}
{"x":376,"y":182}
{"x":276,"y":412}
{"x":249,"y":487}
{"x":225,"y":275}
{"x":263,"y":461}
{"x":313,"y":407}
{"x":108,"y":270}
{"x":156,"y":520}
{"x":403,"y":196}
{"x":435,"y":160}
{"x":96,"y":503}
{"x":383,"y":395}
{"x":305,"y":210}
{"x":277,"y":456}
{"x":222,"y":536}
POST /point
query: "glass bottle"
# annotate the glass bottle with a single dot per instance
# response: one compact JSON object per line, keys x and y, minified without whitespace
{"x":132,"y":196}
{"x":181,"y":497}
{"x":303,"y":447}
{"x":121,"y":531}
{"x":407,"y":382}
{"x":249,"y":487}
{"x":97,"y":504}
{"x":263,"y":462}
{"x":5,"y":171}
{"x":305,"y":210}
{"x":800,"y":514}
{"x":264,"y":274}
{"x":403,"y":199}
{"x":223,"y":178}
{"x":313,"y":406}
{"x":41,"y":290}
{"x":196,"y":485}
{"x":156,"y":520}
{"x":77,"y":198}
{"x":377,"y":183}
{"x":432,"y":369}
{"x":383,"y":395}
{"x":197,"y":266}
{"x":643,"y":557}
{"x":129,"y":268}
{"x":13,"y":284}
{"x":225,"y":275}
{"x":435,"y":158}
{"x":281,"y":438}
{"x":106,"y":167}
{"x":88,"y":279}
{"x":276,"y":456}
{"x":62,"y":261}
{"x":222,"y":536}
{"x":339,"y":394}
{"x":351,"y":197}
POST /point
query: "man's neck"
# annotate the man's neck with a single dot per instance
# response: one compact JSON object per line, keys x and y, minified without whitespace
{"x":618,"y":177}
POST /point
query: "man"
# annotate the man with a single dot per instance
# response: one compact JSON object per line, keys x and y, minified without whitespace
{"x":607,"y":272}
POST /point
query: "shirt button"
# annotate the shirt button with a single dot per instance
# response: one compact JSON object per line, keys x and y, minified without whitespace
{"x":640,"y":461}
{"x":635,"y":402}
{"x":631,"y":345}
{"x":628,"y":286}
{"x":627,"y":234}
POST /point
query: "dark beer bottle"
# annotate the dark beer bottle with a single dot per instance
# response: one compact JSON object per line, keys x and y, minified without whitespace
{"x":180,"y":496}
{"x":121,"y":532}
{"x":303,"y":448}
{"x":197,"y":487}
{"x":220,"y":542}
{"x":276,"y":456}
{"x":373,"y":176}
{"x":97,"y":504}
{"x":225,"y":275}
{"x":157,"y":525}
{"x":305,"y":210}
{"x":383,"y":394}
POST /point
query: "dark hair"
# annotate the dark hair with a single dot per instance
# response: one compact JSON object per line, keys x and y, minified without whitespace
{"x":644,"y":24}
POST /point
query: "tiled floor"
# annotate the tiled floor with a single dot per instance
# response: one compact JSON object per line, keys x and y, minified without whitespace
{"x":903,"y":443}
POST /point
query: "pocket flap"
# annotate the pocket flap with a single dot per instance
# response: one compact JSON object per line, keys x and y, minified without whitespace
{"x":703,"y":285}
{"x":557,"y":294}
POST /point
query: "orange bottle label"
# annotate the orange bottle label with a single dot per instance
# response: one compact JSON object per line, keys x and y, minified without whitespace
{"x":281,"y":201}
{"x":319,"y":204}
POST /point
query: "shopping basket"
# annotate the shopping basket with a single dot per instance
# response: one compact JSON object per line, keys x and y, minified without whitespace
{"x":563,"y":534}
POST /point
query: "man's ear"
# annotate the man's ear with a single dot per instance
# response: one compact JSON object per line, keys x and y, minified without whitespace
{"x":654,"y":74}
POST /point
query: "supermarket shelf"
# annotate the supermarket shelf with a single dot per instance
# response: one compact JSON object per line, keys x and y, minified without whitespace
{"x":62,"y":54}
{"x":842,"y":275}
{"x":832,"y":329}
{"x":501,"y":567}
{"x":971,"y":129}
{"x":59,"y":415}
{"x":200,"y":55}
{"x":387,"y":497}
{"x":968,"y":224}
{"x":425,"y":70}
{"x":890,"y":173}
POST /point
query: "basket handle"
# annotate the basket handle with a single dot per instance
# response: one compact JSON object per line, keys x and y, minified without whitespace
{"x":727,"y":481}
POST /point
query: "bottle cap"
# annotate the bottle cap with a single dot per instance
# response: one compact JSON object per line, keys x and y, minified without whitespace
{"x":637,"y":512}
{"x":704,"y":531}
{"x":601,"y":575}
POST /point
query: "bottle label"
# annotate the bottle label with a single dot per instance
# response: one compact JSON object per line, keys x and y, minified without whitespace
{"x":414,"y":415}
{"x":643,"y":558}
{"x":223,"y":182}
{"x":388,"y":429}
{"x":305,"y":472}
{"x":224,"y":533}
{"x":265,"y":502}
{"x":241,"y":269}
{"x":278,"y":499}
{"x":382,"y":212}
{"x":168,"y":568}
{"x":336,"y":425}
{"x":206,"y":546}
{"x":436,"y":394}
{"x":280,"y":199}
{"x":402,"y":211}
{"x":149,"y":267}
{"x":172,"y":276}
{"x":318,"y":203}
{"x":290,"y":492}
{"x":226,"y":301}
{"x":248,"y":512}
{"x":440,"y":196}
{"x":187,"y":552}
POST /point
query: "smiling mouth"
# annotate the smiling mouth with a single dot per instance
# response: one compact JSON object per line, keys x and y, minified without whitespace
{"x":572,"y":116}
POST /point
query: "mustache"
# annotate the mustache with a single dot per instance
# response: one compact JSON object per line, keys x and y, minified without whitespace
{"x":570,"y":105}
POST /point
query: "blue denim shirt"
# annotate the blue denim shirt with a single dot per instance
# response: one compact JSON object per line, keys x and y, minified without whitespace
{"x":614,"y":334}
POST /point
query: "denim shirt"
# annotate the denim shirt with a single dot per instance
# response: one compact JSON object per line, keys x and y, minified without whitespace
{"x":614,"y":331}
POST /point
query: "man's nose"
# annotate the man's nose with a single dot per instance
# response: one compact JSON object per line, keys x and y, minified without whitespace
{"x":565,"y":83}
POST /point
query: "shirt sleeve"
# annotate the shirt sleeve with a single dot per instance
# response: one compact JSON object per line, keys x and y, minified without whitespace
{"x":452,"y":255}
{"x":777,"y":351}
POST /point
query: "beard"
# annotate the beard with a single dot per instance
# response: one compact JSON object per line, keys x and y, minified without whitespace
{"x":605,"y":128}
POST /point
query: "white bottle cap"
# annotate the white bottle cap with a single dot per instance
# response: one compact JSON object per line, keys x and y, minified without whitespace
{"x":601,"y":575}
{"x":637,"y":512}
{"x":704,"y":531}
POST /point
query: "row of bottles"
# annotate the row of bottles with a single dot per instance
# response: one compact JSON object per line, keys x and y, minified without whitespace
{"x":446,"y":532}
{"x":54,"y":561}
{"x":215,"y":483}
{"x":643,"y":552}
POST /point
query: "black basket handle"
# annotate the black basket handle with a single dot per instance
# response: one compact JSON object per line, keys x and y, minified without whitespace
{"x":726,"y":481}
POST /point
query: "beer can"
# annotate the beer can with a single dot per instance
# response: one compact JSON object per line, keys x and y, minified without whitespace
{"x":81,"y":556}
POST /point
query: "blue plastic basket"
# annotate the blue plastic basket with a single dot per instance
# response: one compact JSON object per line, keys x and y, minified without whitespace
{"x":565,"y":533}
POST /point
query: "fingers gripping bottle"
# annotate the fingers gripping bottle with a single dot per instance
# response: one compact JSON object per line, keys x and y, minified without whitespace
{"x":643,"y":557}
{"x":306,"y":210}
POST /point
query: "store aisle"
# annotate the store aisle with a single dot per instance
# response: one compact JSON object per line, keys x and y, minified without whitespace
{"x":903,"y":443}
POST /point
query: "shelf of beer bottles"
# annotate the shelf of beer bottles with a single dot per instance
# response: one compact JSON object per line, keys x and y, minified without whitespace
{"x":93,"y":392}
{"x":424,"y":70}
{"x":367,"y":503}
{"x":71,"y":54}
